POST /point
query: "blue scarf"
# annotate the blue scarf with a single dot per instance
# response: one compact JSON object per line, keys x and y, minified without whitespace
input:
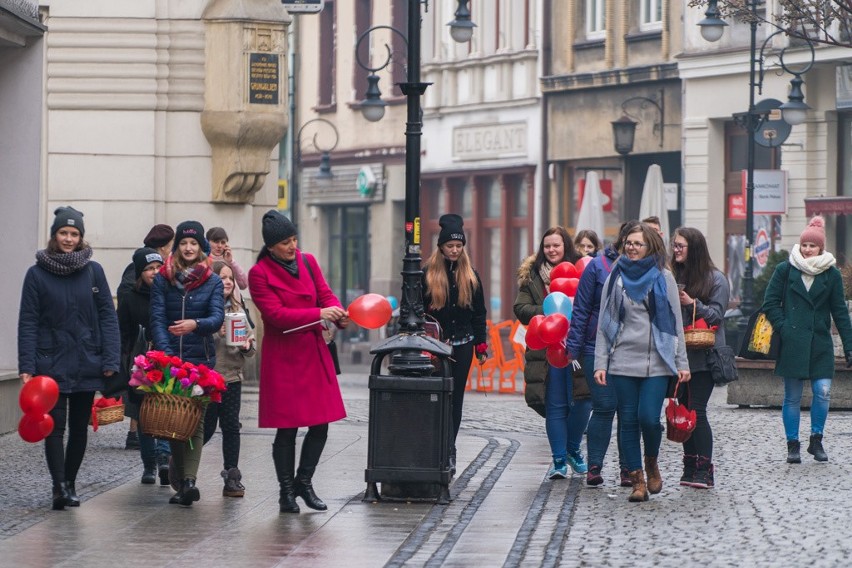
{"x":643,"y":281}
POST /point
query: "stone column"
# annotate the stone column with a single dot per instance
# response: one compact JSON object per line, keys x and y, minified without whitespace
{"x":245,"y":103}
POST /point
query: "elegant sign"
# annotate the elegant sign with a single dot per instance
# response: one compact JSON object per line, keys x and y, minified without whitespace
{"x":770,"y":191}
{"x":263,"y":78}
{"x":736,"y":206}
{"x":484,"y":141}
{"x":606,"y":192}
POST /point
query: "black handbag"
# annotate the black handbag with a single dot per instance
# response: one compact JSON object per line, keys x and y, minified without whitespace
{"x":332,"y":346}
{"x":723,"y":368}
{"x":760,"y":341}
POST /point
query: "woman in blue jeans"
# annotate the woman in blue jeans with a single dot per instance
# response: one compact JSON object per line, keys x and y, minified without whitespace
{"x":639,"y":347}
{"x":566,"y":405}
{"x":581,"y":347}
{"x":803,"y":296}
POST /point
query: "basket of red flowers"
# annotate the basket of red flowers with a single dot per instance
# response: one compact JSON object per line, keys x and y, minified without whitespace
{"x":175,"y":393}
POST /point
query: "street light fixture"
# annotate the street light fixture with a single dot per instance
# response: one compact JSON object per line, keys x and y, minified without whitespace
{"x":324,"y":172}
{"x":794,"y":111}
{"x":624,"y":129}
{"x":389,"y":459}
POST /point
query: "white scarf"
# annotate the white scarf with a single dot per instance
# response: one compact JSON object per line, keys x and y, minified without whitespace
{"x":811,"y":266}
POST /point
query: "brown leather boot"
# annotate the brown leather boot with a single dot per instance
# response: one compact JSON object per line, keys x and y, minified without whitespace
{"x":640,"y":491}
{"x":655,"y":480}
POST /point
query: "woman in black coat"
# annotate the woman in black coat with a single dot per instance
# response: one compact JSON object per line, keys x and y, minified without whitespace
{"x":453,"y":296}
{"x":134,"y":317}
{"x":67,"y":330}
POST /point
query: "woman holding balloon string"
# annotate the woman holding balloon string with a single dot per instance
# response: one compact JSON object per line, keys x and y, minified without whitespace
{"x":298,"y":383}
{"x":67,"y":330}
{"x":452,"y":294}
{"x":563,"y":398}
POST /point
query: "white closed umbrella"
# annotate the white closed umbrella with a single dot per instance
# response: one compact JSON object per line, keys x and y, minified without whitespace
{"x":591,"y":215}
{"x":654,"y":200}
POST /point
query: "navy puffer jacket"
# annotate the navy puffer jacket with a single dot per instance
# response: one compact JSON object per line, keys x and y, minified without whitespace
{"x":205,"y":304}
{"x":67,"y":328}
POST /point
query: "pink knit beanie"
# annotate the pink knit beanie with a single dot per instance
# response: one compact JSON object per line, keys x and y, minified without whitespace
{"x":814,"y":233}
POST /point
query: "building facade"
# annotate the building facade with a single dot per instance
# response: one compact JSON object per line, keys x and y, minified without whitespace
{"x":21,"y":103}
{"x":812,"y":163}
{"x":607,"y":59}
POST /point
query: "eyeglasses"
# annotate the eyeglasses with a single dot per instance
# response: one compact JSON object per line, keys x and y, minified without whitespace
{"x":679,"y":246}
{"x":633,"y":244}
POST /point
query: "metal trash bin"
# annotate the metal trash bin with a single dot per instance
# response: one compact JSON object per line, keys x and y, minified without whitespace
{"x":410,"y":423}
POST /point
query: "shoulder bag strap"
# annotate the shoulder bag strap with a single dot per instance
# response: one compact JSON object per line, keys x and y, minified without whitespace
{"x":95,"y":291}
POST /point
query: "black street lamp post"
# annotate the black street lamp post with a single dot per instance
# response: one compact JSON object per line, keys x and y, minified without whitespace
{"x":409,"y":460}
{"x":325,"y":150}
{"x":793,"y":112}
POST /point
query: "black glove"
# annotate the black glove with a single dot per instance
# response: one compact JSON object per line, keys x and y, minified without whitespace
{"x":848,"y":359}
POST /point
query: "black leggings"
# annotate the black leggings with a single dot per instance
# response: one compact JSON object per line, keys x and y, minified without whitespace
{"x":75,"y":409}
{"x":700,"y":388}
{"x":227,"y":415}
{"x":312,"y":446}
{"x":463,"y":355}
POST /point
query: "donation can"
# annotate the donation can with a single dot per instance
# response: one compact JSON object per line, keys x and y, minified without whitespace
{"x":235,"y":329}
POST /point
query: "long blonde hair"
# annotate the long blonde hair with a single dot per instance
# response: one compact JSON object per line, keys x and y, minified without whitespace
{"x":438,"y":286}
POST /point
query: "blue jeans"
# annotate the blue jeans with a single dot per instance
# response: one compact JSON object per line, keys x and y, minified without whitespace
{"x":604,"y":405}
{"x":150,"y":448}
{"x":566,"y":418}
{"x":792,"y":408}
{"x":640,"y":400}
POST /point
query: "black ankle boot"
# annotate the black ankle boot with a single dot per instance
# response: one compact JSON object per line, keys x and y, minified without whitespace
{"x":60,"y":496}
{"x":73,"y":500}
{"x":189,"y":493}
{"x":793,"y":455}
{"x":163,"y":469}
{"x":284,"y":458}
{"x":815,"y":448}
{"x":304,"y":488}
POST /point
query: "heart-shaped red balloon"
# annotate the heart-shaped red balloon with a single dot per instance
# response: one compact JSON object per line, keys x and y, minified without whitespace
{"x":553,"y":329}
{"x":564,"y":270}
{"x":567,"y":286}
{"x":557,"y":356}
{"x":35,"y":429}
{"x":533,"y":339}
{"x":38,"y":396}
{"x":583,"y":263}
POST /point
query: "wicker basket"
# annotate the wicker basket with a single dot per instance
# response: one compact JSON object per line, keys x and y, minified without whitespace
{"x":109,"y":414}
{"x":169,"y":417}
{"x":699,"y":338}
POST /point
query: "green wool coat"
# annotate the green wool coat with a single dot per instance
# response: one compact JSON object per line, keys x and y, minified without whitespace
{"x":803,"y":318}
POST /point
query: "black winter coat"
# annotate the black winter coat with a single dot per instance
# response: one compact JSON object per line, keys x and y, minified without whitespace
{"x":67,"y":328}
{"x":205,"y":304}
{"x":134,"y":309}
{"x":458,"y":322}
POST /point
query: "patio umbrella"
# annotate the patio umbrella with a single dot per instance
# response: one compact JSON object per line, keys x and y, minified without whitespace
{"x":591,"y":215}
{"x":654,"y":200}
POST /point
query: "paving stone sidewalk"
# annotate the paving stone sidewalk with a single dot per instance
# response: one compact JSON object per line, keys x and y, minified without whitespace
{"x":763,"y":512}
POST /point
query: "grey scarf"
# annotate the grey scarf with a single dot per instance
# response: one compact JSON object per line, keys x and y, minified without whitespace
{"x":63,"y":263}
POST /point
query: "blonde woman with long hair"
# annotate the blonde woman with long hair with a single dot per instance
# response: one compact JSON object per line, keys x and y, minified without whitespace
{"x":452,"y":294}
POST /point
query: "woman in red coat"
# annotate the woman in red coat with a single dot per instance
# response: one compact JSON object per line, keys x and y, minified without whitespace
{"x":298,"y":385}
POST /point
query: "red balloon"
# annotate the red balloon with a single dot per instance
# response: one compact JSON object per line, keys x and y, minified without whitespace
{"x":533,"y":339}
{"x":564,"y":270}
{"x":557,"y":356}
{"x":570,"y":288}
{"x":35,"y":429}
{"x":560,"y":285}
{"x":553,"y":329}
{"x":370,"y":310}
{"x":38,"y":396}
{"x":583,"y":263}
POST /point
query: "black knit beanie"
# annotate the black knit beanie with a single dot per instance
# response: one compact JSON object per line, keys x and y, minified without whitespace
{"x":452,"y":229}
{"x":67,"y":217}
{"x":144,"y":256}
{"x":191,"y":230}
{"x":276,"y":228}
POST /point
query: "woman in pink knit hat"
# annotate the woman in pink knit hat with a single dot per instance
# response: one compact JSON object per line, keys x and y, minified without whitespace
{"x":805,"y":293}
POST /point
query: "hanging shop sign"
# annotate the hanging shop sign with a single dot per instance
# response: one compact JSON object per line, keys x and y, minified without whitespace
{"x":770,"y":191}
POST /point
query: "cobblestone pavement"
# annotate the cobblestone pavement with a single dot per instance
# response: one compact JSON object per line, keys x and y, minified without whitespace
{"x":763,"y":512}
